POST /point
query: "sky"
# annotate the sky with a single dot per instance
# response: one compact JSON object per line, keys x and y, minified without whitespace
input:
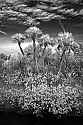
{"x":52,"y":28}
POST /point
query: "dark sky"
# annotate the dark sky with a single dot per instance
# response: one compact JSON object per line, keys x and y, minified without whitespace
{"x":52,"y":28}
{"x":73,"y":21}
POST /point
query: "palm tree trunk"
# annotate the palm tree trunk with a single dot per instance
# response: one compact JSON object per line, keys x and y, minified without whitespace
{"x":61,"y":62}
{"x":34,"y":50}
{"x":20,"y":48}
{"x":44,"y":58}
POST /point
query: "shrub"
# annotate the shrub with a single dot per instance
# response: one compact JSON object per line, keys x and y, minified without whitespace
{"x":58,"y":99}
{"x":11,"y":97}
{"x":43,"y":92}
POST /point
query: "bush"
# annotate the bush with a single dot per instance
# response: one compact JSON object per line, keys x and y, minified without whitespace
{"x":43,"y":92}
{"x":11,"y":97}
{"x":60,"y":99}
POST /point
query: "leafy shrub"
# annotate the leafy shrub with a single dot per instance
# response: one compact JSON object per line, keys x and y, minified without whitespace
{"x":43,"y":92}
{"x":60,"y":99}
{"x":11,"y":97}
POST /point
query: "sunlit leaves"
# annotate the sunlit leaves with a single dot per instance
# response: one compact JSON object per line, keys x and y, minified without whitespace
{"x":67,"y":41}
{"x":45,"y":40}
{"x":30,"y":32}
{"x":19,"y":37}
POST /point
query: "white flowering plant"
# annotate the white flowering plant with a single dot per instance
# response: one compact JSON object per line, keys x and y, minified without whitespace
{"x":57,"y":100}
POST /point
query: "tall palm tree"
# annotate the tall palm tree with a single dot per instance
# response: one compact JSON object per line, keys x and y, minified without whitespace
{"x":19,"y":38}
{"x":34,"y":33}
{"x":66,"y":44}
{"x":44,"y":41}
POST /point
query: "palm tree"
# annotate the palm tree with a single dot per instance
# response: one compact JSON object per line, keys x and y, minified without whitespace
{"x":67,"y":45}
{"x":44,"y":42}
{"x":19,"y":38}
{"x":34,"y":33}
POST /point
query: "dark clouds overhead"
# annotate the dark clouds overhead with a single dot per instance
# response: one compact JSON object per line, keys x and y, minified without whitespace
{"x":47,"y":12}
{"x":29,"y":12}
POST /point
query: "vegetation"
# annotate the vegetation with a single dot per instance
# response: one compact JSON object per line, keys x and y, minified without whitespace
{"x":19,"y":38}
{"x":33,"y":32}
{"x":48,"y":76}
{"x":55,"y":90}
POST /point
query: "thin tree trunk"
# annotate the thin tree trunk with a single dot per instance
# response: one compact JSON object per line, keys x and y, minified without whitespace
{"x":44,"y":58}
{"x":61,"y":62}
{"x":34,"y":50}
{"x":21,"y":48}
